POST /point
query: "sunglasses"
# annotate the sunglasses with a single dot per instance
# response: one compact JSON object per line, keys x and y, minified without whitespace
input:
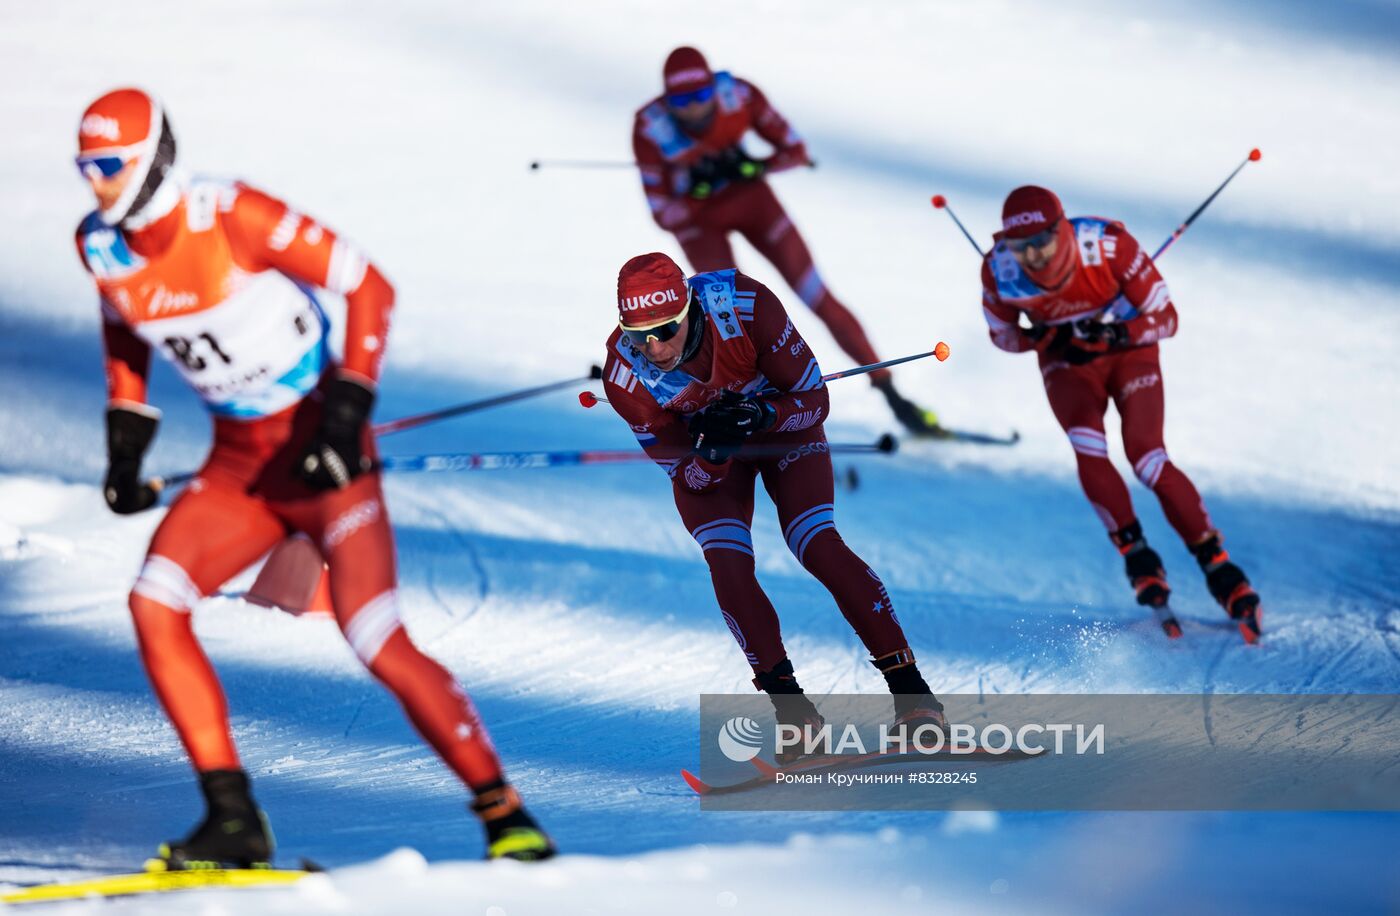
{"x":682,"y":99}
{"x":639,"y":338}
{"x":1039,"y":240}
{"x":106,"y":165}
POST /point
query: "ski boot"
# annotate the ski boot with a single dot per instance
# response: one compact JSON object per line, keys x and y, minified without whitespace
{"x":234,"y":833}
{"x":790,"y":706}
{"x":914,"y":704}
{"x":511,"y":833}
{"x":1229,"y":586}
{"x":1145,"y":572}
{"x":918,"y":421}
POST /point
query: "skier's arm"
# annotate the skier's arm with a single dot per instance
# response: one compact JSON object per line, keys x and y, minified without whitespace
{"x":802,"y":400}
{"x":271,"y":233}
{"x":661,"y":433}
{"x":1003,"y":321}
{"x":1143,"y":286}
{"x":789,"y":150}
{"x":127,"y":359}
{"x":668,"y":209}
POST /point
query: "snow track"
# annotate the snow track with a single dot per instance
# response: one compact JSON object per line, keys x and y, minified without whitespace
{"x":571,"y":602}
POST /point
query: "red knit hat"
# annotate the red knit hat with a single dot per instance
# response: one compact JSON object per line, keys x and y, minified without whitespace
{"x":686,"y":70}
{"x":651,"y":290}
{"x":1030,"y":209}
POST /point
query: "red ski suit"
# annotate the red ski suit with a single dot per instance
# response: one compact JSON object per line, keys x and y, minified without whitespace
{"x":221,"y":285}
{"x":666,"y":154}
{"x":750,"y":344}
{"x":1113,"y":280}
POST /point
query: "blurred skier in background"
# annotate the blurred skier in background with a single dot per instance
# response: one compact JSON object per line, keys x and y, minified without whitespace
{"x":1097,"y":308}
{"x":218,"y":278}
{"x":699,"y":367}
{"x":701,"y":185}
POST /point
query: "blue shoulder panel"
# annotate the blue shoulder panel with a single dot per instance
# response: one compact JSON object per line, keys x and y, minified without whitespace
{"x":106,"y":251}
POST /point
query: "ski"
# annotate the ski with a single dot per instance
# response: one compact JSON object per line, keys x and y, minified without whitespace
{"x":768,"y":773}
{"x":152,"y":882}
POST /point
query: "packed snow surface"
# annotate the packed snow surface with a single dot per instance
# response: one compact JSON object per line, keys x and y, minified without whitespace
{"x":571,"y":602}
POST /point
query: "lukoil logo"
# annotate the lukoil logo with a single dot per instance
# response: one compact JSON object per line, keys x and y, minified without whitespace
{"x":740,"y":739}
{"x":1025,"y":218}
{"x":660,"y":297}
{"x":95,"y":125}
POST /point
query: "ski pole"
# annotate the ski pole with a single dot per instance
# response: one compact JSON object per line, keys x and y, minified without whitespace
{"x":526,"y":460}
{"x":941,"y":203}
{"x":422,"y":419}
{"x":1254,"y":156}
{"x":510,"y":461}
{"x":538,"y":164}
{"x":159,"y":484}
{"x":940,"y":351}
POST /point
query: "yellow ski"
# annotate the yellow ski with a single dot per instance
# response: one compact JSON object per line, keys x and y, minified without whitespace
{"x":154,"y":882}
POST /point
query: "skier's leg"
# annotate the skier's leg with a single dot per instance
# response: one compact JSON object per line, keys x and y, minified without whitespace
{"x":352,"y":528}
{"x":719,"y":520}
{"x":210,"y":534}
{"x":706,"y":248}
{"x":1138,"y":392}
{"x":801,"y":485}
{"x":1079,"y":397}
{"x":769,"y":229}
{"x":214,"y":530}
{"x":1137,"y":389}
{"x":771,"y":232}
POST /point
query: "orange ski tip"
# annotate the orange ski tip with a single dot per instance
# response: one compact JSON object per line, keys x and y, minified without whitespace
{"x":1255,"y":155}
{"x":695,"y":782}
{"x":941,"y":351}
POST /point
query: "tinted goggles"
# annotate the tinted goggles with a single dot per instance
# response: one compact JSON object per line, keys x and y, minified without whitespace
{"x":1039,"y":240}
{"x":107,"y":165}
{"x":682,"y":99}
{"x":661,"y":333}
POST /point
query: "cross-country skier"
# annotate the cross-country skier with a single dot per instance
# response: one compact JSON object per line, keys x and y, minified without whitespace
{"x":1097,"y":308}
{"x":702,"y":185}
{"x":702,"y":367}
{"x":217,"y":276}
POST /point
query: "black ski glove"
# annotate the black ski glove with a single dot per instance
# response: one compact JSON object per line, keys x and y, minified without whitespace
{"x":723,"y":427}
{"x":1093,"y":339}
{"x":129,"y":434}
{"x":736,"y":165}
{"x":334,"y":457}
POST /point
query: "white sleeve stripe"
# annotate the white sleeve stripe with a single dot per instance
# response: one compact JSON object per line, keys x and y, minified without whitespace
{"x":996,"y":322}
{"x":285,"y":232}
{"x":1157,"y":297}
{"x":347,"y":268}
